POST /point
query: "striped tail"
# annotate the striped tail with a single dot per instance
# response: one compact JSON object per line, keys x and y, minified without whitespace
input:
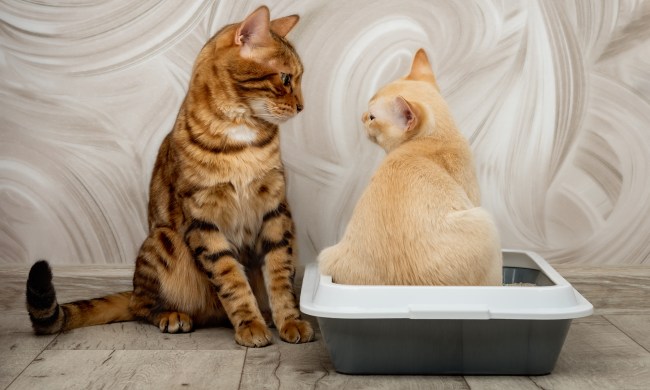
{"x":49,"y":317}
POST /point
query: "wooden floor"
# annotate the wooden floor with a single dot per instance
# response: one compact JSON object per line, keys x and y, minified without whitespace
{"x":609,"y":350}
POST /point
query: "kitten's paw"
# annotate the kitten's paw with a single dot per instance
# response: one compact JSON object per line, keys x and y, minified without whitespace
{"x":253,"y":334}
{"x":175,"y":322}
{"x":297,"y":331}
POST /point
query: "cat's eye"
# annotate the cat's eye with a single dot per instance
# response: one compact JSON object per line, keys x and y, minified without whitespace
{"x":371,"y":117}
{"x":286,"y":79}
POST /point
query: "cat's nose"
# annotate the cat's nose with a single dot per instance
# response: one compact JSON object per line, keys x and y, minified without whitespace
{"x":299,"y":107}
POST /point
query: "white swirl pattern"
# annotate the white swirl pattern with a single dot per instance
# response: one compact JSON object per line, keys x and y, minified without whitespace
{"x":554,"y":97}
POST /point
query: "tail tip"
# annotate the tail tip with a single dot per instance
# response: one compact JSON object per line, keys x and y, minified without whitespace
{"x":40,"y":275}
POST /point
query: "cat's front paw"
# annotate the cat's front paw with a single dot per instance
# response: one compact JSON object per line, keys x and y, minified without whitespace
{"x":253,"y":334}
{"x":175,"y":322}
{"x":296,"y":331}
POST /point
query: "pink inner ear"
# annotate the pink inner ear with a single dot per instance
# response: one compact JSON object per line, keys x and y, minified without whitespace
{"x":405,"y":113}
{"x":255,"y":29}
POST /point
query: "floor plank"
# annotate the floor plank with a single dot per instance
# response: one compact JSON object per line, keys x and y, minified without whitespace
{"x":597,"y":355}
{"x":18,"y":346}
{"x":286,"y":366}
{"x":283,"y":365}
{"x":500,"y":383}
{"x":635,"y":326}
{"x":132,"y":369}
{"x":136,"y":335}
{"x":603,"y":351}
{"x":381,"y":382}
{"x":612,"y":290}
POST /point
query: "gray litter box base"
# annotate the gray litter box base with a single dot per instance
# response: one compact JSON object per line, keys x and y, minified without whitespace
{"x":468,"y":347}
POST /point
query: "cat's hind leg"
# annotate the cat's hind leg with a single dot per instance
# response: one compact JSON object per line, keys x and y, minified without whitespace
{"x":329,"y":260}
{"x":174,"y":322}
{"x":162,"y":257}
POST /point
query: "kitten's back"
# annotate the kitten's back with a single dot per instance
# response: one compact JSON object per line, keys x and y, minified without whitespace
{"x":419,"y":222}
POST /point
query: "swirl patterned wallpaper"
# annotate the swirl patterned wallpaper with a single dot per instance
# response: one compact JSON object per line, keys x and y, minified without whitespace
{"x":554,"y":97}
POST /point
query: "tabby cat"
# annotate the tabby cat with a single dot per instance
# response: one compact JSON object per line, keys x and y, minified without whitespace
{"x":419,"y":222}
{"x":221,"y":238}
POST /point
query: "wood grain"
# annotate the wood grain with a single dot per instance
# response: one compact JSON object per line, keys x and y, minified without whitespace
{"x":105,"y":369}
{"x":600,"y":351}
{"x":136,"y":335}
{"x":500,"y":383}
{"x":612,"y":290}
{"x":637,"y":327}
{"x":286,"y":366}
{"x":596,"y":355}
{"x":18,"y":346}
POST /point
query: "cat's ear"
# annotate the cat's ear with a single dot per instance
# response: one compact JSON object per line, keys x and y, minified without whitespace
{"x":254,"y":31}
{"x":421,"y":68}
{"x":282,"y":26}
{"x":407,"y":115}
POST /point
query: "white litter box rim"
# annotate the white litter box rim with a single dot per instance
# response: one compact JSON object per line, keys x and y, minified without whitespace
{"x":321,"y":297}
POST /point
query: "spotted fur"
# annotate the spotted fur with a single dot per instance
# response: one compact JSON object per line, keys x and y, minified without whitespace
{"x":221,"y":238}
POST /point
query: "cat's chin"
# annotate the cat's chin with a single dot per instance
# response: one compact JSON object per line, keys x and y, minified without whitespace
{"x":260,"y":111}
{"x":272,"y":119}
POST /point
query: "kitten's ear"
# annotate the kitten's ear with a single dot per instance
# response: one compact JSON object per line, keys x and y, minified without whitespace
{"x":407,"y":115}
{"x":421,"y":68}
{"x":254,"y":31}
{"x":282,"y":26}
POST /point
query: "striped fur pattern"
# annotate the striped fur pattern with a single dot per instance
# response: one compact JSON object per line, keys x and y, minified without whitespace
{"x":220,"y":247}
{"x":419,"y":221}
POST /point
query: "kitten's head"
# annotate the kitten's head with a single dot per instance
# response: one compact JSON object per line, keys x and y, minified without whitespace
{"x":258,"y":66}
{"x":407,"y":108}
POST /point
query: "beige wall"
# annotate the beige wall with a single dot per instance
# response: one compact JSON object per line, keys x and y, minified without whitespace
{"x":553,"y":95}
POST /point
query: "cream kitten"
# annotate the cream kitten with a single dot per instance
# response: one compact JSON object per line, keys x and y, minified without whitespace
{"x":419,"y":222}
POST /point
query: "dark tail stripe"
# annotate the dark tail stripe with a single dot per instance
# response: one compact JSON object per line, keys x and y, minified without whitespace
{"x":84,"y":305}
{"x":45,"y":322}
{"x":40,"y":301}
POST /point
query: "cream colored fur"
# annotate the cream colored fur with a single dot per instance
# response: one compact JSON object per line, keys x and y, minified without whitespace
{"x":419,"y":222}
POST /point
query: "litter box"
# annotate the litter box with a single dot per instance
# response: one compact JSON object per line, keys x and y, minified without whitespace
{"x":482,"y":330}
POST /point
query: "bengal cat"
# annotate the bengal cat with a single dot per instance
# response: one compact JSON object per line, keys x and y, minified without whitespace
{"x":221,"y":237}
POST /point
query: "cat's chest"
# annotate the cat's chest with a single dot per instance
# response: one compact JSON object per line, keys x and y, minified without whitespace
{"x":242,"y":134}
{"x":238,"y":207}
